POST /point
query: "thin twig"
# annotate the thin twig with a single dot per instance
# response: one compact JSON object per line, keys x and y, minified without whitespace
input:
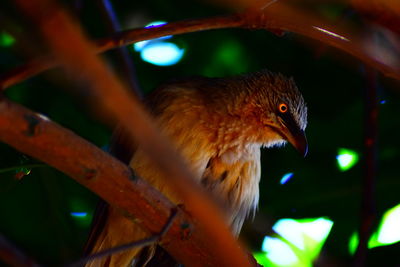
{"x":125,"y":61}
{"x":28,"y":166}
{"x":140,"y":243}
{"x":370,"y":168}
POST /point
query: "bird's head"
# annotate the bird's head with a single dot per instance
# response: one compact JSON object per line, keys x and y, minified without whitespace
{"x":273,"y":103}
{"x":280,"y":108}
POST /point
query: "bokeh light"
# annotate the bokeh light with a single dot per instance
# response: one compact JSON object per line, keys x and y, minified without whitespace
{"x":295,"y":231}
{"x":298,"y":243}
{"x":388,"y":231}
{"x":140,"y":45}
{"x":346,"y":159}
{"x":229,"y":58}
{"x":6,"y":39}
{"x":79,"y":211}
{"x":286,"y":177}
{"x":79,"y":214}
{"x":279,"y":252}
{"x":157,"y":51}
{"x":162,"y":53}
{"x":155,"y":24}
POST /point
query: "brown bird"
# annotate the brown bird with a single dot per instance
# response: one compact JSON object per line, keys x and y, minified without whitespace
{"x":219,"y":126}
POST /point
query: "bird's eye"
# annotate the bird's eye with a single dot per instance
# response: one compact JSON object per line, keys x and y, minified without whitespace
{"x":283,"y":108}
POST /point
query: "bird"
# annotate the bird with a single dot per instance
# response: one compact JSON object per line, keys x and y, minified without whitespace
{"x":219,"y":125}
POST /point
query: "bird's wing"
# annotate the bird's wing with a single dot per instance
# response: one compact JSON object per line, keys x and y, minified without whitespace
{"x":178,"y":119}
{"x":236,"y":184}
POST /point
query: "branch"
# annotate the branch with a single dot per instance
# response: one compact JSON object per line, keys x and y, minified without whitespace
{"x":281,"y":16}
{"x":154,"y":239}
{"x":112,"y":180}
{"x":37,"y":66}
{"x":276,"y":17}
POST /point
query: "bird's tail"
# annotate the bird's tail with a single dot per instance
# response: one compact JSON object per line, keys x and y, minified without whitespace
{"x":116,"y":231}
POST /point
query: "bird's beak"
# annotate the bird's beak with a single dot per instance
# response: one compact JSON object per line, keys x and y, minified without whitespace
{"x":294,"y":135}
{"x":299,"y":140}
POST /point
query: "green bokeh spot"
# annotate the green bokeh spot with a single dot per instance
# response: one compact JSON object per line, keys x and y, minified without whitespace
{"x":297,"y":243}
{"x":346,"y":159}
{"x":332,"y":12}
{"x":388,"y":231}
{"x":229,"y":53}
{"x":261,"y":258}
{"x":353,"y":243}
{"x":228,"y":59}
{"x":6,"y":40}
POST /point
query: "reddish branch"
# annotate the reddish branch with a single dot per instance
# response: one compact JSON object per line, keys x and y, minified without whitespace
{"x":276,"y":17}
{"x":368,"y":202}
{"x":121,"y":39}
{"x":43,"y":139}
{"x":384,"y":12}
{"x":69,"y":46}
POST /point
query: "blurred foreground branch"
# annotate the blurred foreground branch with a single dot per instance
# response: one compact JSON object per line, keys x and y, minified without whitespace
{"x":383,"y":12}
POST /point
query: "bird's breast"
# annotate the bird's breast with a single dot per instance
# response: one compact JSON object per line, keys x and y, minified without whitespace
{"x":234,"y":179}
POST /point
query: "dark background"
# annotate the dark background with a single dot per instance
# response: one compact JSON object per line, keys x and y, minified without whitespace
{"x":35,"y":210}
